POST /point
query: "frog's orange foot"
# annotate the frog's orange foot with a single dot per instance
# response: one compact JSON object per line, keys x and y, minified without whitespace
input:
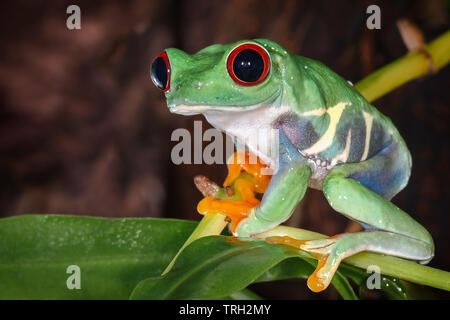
{"x":236,"y":211}
{"x":323,"y":250}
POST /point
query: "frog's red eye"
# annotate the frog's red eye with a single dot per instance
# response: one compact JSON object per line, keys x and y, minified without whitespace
{"x":248,"y":64}
{"x":161,"y":71}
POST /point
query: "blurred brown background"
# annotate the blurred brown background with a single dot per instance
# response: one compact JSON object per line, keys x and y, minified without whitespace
{"x":84,"y":131}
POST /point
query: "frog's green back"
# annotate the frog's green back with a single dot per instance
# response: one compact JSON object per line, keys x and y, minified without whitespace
{"x":342,"y":118}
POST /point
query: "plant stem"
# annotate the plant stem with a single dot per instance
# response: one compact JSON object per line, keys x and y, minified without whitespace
{"x":433,"y":56}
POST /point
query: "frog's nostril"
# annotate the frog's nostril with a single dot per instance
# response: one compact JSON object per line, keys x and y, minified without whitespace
{"x":161,"y":71}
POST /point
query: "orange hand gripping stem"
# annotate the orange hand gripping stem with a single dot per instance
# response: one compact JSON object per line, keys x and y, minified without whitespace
{"x":245,"y":186}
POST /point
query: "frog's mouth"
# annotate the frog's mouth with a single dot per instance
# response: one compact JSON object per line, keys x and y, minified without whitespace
{"x":187,"y":109}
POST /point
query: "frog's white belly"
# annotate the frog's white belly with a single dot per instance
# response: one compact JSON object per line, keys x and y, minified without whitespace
{"x":253,"y":128}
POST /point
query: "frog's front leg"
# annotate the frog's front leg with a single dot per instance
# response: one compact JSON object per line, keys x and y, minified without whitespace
{"x":286,"y":189}
{"x":391,"y":230}
{"x":282,"y":192}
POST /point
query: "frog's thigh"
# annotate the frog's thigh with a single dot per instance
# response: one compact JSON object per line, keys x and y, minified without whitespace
{"x":386,"y":173}
{"x":353,"y":199}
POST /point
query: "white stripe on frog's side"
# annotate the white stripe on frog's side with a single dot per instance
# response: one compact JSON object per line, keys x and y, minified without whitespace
{"x":326,"y":140}
{"x":368,"y":118}
{"x":316,"y":112}
{"x":343,"y":156}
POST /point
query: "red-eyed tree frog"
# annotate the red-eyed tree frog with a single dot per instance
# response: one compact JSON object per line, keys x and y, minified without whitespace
{"x":330,"y":138}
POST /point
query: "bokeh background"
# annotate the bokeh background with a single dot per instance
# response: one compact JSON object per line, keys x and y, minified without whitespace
{"x":84,"y":131}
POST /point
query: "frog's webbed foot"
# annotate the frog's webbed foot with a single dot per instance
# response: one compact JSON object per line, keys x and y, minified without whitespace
{"x":245,"y":185}
{"x":331,"y":251}
{"x":325,"y":250}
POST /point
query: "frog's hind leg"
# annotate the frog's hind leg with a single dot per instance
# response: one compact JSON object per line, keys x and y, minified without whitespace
{"x":360,"y":191}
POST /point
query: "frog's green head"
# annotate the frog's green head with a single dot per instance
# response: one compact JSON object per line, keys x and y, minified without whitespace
{"x":236,"y":77}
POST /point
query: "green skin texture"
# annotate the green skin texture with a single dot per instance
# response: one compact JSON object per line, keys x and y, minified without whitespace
{"x":200,"y":83}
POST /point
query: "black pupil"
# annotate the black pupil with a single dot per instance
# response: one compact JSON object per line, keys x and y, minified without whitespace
{"x":248,"y":65}
{"x":159,"y":73}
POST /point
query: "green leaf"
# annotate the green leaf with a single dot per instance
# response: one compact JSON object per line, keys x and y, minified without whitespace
{"x":218,"y":266}
{"x":244,"y":294}
{"x":113,"y":254}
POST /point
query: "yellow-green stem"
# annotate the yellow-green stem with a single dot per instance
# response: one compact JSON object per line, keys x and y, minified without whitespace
{"x":432,"y":57}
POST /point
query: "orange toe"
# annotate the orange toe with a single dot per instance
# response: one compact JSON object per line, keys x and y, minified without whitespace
{"x":315,"y":283}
